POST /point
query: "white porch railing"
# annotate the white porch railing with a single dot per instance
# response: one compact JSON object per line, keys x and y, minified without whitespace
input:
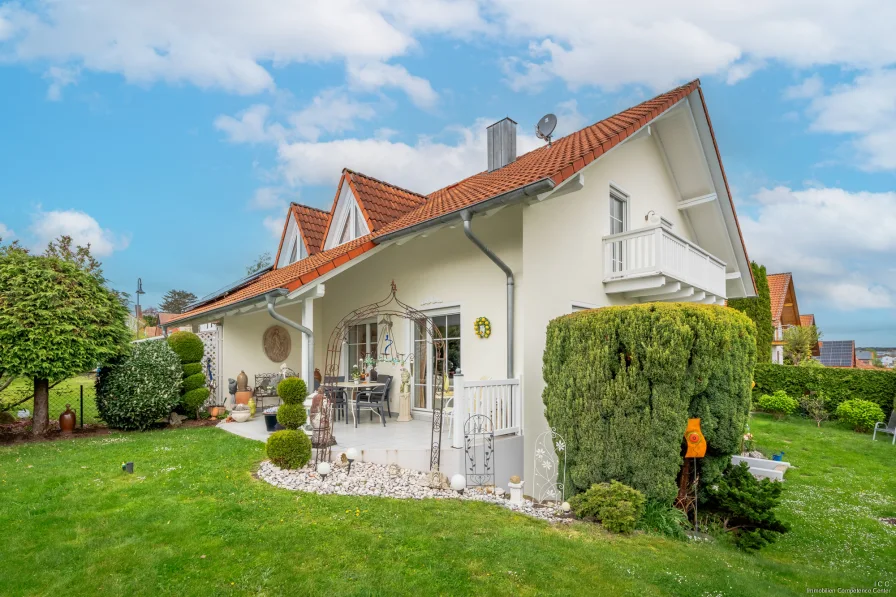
{"x":498,"y":399}
{"x":657,"y":250}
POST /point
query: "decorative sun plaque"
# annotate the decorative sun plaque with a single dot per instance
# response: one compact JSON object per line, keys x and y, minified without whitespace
{"x":276,"y":343}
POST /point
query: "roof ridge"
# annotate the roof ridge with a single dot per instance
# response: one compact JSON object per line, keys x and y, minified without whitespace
{"x":383,"y":182}
{"x":297,"y":204}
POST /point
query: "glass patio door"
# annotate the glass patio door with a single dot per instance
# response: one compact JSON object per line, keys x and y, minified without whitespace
{"x":428,"y":368}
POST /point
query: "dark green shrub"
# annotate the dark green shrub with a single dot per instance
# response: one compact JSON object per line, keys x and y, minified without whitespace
{"x":289,"y":449}
{"x":838,"y":384}
{"x":663,"y":519}
{"x":779,"y":404}
{"x":621,"y":383}
{"x":291,"y":416}
{"x":292,"y":390}
{"x":193,"y":400}
{"x":618,"y":507}
{"x":187,"y":345}
{"x":759,"y":309}
{"x":192,"y":369}
{"x":747,"y":507}
{"x":138,"y":389}
{"x":860,"y":414}
{"x":193,"y":382}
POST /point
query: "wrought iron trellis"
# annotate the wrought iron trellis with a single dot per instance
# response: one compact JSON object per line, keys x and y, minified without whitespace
{"x":389,"y":307}
{"x":548,"y":475}
{"x":479,"y":451}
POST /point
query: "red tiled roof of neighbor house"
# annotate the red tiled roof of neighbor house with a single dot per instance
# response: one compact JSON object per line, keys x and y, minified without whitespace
{"x":807,"y":320}
{"x":777,"y":290}
{"x":388,"y":208}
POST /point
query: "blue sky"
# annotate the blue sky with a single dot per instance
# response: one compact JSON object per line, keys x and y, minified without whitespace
{"x":172,"y":137}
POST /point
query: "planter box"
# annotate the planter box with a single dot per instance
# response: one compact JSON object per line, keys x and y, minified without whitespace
{"x":762,"y":468}
{"x":270,"y":422}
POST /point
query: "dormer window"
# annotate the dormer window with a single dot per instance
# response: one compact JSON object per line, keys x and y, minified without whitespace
{"x":348,"y":221}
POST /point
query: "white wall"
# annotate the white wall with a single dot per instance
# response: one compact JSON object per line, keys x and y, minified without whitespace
{"x":563,"y":254}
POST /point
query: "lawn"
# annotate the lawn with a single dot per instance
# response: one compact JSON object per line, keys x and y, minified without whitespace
{"x":66,"y":392}
{"x":193,"y":520}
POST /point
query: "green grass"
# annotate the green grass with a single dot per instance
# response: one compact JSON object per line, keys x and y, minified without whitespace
{"x":193,"y":520}
{"x":66,"y":392}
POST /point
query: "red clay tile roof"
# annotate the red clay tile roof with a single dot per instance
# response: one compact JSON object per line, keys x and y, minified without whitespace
{"x":807,"y":320}
{"x":388,"y":208}
{"x":777,"y":290}
{"x":313,"y":223}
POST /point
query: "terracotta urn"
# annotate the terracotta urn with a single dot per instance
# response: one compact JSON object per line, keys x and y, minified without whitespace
{"x":213,"y":413}
{"x":67,"y":419}
{"x":243,"y":396}
{"x":242,"y":381}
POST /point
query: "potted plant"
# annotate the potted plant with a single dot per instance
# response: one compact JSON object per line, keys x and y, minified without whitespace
{"x":270,"y":418}
{"x":240,"y":413}
{"x":356,"y":373}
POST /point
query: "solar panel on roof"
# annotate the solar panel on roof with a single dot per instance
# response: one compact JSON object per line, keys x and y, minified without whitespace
{"x":837,"y":353}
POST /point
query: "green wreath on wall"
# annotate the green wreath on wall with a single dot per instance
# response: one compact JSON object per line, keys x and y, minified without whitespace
{"x":483,"y":327}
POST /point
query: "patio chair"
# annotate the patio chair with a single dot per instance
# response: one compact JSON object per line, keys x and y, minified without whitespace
{"x":374,"y":400}
{"x":890,"y":427}
{"x":337,"y":397}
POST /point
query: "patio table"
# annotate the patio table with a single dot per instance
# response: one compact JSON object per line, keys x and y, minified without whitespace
{"x":354,"y":387}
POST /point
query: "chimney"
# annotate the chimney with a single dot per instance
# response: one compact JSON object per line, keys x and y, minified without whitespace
{"x":501,"y":144}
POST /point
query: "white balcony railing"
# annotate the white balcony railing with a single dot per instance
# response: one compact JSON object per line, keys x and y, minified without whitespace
{"x":657,"y":250}
{"x":498,"y":399}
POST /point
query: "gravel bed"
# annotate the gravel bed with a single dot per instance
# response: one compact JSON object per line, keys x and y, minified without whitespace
{"x":391,"y":481}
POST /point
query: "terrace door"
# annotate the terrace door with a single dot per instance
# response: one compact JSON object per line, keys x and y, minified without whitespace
{"x":429,"y":367}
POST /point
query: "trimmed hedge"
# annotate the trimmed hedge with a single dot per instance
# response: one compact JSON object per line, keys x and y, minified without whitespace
{"x":194,"y":399}
{"x":837,"y":384}
{"x":192,"y":369}
{"x":138,"y":389}
{"x":193,"y":382}
{"x":759,"y":309}
{"x":292,"y":416}
{"x":292,"y":390}
{"x":187,"y":345}
{"x":621,"y":383}
{"x":289,"y":449}
{"x":190,"y":350}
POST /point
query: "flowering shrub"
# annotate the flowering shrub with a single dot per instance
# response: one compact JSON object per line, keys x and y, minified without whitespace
{"x":140,"y":388}
{"x":779,"y":404}
{"x":860,"y":414}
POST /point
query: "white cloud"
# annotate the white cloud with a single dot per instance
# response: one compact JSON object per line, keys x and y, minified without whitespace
{"x":658,"y":43}
{"x":6,"y":233}
{"x":84,"y":230}
{"x":249,"y":126}
{"x":837,"y":243}
{"x":273,"y":225}
{"x":60,"y":77}
{"x":569,"y":119}
{"x":807,"y":89}
{"x":866,"y":110}
{"x":376,"y":75}
{"x":332,"y":111}
{"x":224,"y":44}
{"x":268,"y":198}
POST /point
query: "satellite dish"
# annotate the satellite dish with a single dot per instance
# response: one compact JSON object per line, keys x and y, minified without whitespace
{"x":545,"y":127}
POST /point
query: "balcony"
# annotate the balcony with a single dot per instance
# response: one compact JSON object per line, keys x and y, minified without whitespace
{"x":654,"y":264}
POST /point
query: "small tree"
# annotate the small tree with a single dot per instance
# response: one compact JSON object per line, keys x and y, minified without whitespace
{"x":176,"y":301}
{"x":814,"y":405}
{"x":798,"y":343}
{"x":262,"y":261}
{"x":57,"y":319}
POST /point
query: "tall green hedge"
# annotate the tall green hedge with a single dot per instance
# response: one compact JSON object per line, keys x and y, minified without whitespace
{"x":759,"y":309}
{"x":838,"y":384}
{"x":621,"y":383}
{"x":190,"y":349}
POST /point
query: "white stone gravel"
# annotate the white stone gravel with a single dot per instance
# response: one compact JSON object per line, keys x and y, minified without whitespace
{"x":389,"y":481}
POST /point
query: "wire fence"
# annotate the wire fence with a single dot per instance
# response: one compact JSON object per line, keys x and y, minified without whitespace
{"x":78,"y":392}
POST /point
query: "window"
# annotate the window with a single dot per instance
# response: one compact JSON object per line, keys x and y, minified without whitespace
{"x":618,"y":225}
{"x":353,"y":227}
{"x":428,"y":369}
{"x":295,"y":248}
{"x":362,"y":339}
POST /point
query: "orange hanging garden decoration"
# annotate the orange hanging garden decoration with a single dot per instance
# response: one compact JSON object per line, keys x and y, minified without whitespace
{"x":695,"y":440}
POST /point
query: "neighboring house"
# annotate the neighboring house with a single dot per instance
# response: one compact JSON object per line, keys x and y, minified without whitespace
{"x":865,"y":357}
{"x":887,"y":361}
{"x":785,"y":313}
{"x":165,"y":320}
{"x":837,"y":353}
{"x":635,"y":208}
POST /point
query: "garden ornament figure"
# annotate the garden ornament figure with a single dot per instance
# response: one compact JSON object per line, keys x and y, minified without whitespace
{"x":231,"y":386}
{"x":694,"y":437}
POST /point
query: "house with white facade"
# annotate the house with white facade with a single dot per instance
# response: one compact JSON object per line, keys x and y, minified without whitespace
{"x":632,"y":209}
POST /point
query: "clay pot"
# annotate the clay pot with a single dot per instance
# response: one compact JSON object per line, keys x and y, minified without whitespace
{"x":213,"y":411}
{"x":242,"y":397}
{"x":67,"y":419}
{"x":242,"y":381}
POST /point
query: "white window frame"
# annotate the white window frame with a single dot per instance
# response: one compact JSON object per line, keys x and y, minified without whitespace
{"x":348,"y":211}
{"x":347,"y":367}
{"x":441,"y":311}
{"x":617,"y":194}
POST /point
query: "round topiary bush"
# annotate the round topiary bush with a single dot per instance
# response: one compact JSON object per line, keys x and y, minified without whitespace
{"x":860,"y":414}
{"x":193,"y":382}
{"x":291,"y":416}
{"x":779,"y":404}
{"x":289,"y":449}
{"x":618,"y":507}
{"x":187,"y":345}
{"x":192,"y":369}
{"x":292,"y":390}
{"x":139,"y":388}
{"x":193,"y":400}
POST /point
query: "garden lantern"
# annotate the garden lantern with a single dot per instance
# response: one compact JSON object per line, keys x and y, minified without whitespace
{"x":458,"y":483}
{"x":323,"y":469}
{"x":351,"y":454}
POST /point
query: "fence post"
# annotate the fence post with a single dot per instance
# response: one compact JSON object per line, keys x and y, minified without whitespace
{"x":82,"y":406}
{"x":459,"y":413}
